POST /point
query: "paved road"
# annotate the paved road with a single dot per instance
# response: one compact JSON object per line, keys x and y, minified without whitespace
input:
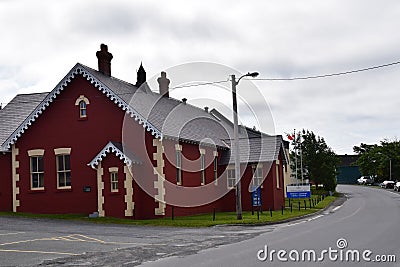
{"x":368,"y":221}
{"x":41,"y":242}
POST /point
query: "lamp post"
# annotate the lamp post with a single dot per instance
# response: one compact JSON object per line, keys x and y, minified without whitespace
{"x":236,"y":143}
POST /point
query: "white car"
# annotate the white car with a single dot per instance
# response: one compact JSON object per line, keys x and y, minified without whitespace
{"x":365,"y":180}
{"x":397,"y":186}
{"x":387,"y":184}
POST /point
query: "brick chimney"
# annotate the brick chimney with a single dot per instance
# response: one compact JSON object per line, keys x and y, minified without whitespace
{"x":163,"y":84}
{"x":104,"y":60}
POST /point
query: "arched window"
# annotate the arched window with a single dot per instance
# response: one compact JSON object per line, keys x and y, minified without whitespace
{"x":82,"y":103}
{"x":82,"y":109}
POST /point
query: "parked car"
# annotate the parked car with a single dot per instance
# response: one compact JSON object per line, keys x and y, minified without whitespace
{"x":387,"y":184}
{"x":365,"y":180}
{"x":397,"y":186}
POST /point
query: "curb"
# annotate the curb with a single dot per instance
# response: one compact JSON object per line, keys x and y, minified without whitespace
{"x":337,"y":202}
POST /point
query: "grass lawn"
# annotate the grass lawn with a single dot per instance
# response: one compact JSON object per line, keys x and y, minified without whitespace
{"x":201,"y":220}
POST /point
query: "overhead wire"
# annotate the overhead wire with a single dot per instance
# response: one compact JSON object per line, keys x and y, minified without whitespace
{"x":279,"y":79}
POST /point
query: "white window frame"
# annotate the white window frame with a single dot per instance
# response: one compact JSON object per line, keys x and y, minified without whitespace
{"x":114,"y":182}
{"x":38,"y":174}
{"x":215,"y":167}
{"x":82,"y":109}
{"x":178,"y":149}
{"x":257,"y":179}
{"x":63,"y":152}
{"x":202,"y":166}
{"x":277,"y":174}
{"x":82,"y":100}
{"x":230,"y":177}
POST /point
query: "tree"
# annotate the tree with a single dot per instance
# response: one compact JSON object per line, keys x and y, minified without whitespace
{"x":319,"y":160}
{"x":377,"y":160}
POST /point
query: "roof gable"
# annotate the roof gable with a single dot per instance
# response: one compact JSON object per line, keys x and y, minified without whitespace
{"x":78,"y":69}
{"x":113,"y":147}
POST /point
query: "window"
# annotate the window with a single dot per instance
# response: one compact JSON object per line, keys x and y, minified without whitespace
{"x":277,"y":174}
{"x":179,"y":167}
{"x":215,"y":168}
{"x":82,"y":103}
{"x":37,"y":172}
{"x":114,"y":181}
{"x":231,"y":178}
{"x":63,"y":171}
{"x":203,"y":172}
{"x":82,"y":109}
{"x":257,"y":176}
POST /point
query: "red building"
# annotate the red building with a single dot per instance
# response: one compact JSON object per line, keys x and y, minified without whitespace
{"x":97,"y":143}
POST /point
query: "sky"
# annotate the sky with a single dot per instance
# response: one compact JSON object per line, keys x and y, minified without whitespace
{"x":42,"y":40}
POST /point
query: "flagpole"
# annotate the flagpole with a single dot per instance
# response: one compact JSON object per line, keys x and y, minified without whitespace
{"x":301,"y":160}
{"x":295,"y":156}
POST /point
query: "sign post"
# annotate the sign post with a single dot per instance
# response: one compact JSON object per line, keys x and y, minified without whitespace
{"x":256,"y":197}
{"x":298,"y":191}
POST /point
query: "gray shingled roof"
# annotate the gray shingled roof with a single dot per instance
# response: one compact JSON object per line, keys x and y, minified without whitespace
{"x":15,"y":112}
{"x":253,"y":150}
{"x":172,"y":117}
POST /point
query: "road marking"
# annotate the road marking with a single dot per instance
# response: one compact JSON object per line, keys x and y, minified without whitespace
{"x":26,"y":241}
{"x":16,"y":233}
{"x":79,"y":238}
{"x":39,"y":252}
{"x":336,"y":208}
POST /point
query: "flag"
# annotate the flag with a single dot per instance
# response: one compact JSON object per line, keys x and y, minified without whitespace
{"x":290,"y":136}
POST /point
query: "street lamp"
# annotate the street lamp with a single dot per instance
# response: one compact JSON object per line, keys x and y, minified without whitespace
{"x":236,"y":142}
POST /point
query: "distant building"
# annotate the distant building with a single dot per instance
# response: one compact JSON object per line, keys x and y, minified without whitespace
{"x":348,"y":172}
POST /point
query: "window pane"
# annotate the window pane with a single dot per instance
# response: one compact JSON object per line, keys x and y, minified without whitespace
{"x":41,"y":164}
{"x":68,"y":179}
{"x":82,"y":105}
{"x":41,"y":180}
{"x":34,"y":164}
{"x":35,"y":181}
{"x":67,"y":162}
{"x":60,"y":160}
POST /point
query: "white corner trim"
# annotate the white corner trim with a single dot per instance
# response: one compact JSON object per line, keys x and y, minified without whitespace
{"x":215,"y":153}
{"x":82,"y":98}
{"x":159,"y":184}
{"x":178,"y":147}
{"x":202,"y":151}
{"x":100,"y":188}
{"x":62,"y":151}
{"x":15,"y":177}
{"x":35,"y":152}
{"x":78,"y":69}
{"x":128,"y":184}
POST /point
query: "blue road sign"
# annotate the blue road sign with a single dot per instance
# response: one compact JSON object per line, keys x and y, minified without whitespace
{"x":256,"y":197}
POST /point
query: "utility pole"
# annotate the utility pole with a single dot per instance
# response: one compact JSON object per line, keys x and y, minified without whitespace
{"x":236,"y":152}
{"x":238,"y":186}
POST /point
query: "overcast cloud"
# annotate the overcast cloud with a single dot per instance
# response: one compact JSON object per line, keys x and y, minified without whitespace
{"x":42,"y":40}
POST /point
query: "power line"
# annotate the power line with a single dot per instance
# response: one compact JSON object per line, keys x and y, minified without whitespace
{"x":327,"y":75}
{"x":199,"y":84}
{"x":268,"y":79}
